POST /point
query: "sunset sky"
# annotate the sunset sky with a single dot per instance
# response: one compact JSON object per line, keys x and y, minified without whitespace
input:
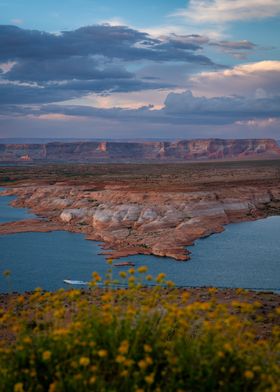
{"x":139,"y":69}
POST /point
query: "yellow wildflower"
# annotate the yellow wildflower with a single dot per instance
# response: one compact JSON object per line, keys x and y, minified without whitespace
{"x":142,"y":269}
{"x":120,"y":358}
{"x":102,"y":353}
{"x":124,"y":373}
{"x":170,"y":283}
{"x":248,"y":374}
{"x":73,"y":294}
{"x":128,"y":362}
{"x":84,"y":361}
{"x":150,"y":378}
{"x":96,"y":277}
{"x":52,"y":387}
{"x":142,"y":364}
{"x":212,"y":290}
{"x":18,"y":387}
{"x":46,"y":355}
{"x":149,"y":360}
{"x":147,"y":348}
{"x":185,"y":296}
{"x":20,"y":300}
{"x":228,"y":347}
{"x":107,"y":297}
{"x":160,"y":277}
{"x":60,"y":332}
{"x":58,"y":313}
{"x":130,"y":311}
{"x":27,"y":340}
{"x":123,"y":349}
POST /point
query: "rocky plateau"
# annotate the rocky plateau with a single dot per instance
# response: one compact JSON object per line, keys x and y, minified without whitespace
{"x":175,"y":151}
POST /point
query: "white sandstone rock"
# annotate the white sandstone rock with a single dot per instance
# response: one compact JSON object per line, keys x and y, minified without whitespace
{"x":68,"y":215}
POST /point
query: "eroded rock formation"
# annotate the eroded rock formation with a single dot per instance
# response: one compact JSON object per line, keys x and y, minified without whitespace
{"x":149,"y":222}
{"x":183,"y":150}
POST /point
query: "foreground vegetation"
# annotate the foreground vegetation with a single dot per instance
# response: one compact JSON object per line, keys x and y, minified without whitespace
{"x":135,"y":339}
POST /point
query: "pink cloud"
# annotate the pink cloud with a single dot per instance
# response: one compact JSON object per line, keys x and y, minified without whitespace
{"x":55,"y":116}
{"x":246,"y":79}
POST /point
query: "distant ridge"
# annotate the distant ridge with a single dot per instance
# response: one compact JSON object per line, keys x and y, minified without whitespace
{"x":139,"y":151}
{"x":17,"y":140}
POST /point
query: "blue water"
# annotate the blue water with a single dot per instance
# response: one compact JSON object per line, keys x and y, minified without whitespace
{"x":9,"y":214}
{"x":244,"y":255}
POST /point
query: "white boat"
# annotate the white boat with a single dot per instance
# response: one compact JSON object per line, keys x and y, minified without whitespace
{"x":75,"y":282}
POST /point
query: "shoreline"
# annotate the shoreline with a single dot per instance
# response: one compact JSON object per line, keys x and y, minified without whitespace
{"x":196,"y":228}
{"x":143,"y":209}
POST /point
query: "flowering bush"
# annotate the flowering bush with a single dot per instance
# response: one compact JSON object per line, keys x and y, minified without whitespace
{"x":134,"y":339}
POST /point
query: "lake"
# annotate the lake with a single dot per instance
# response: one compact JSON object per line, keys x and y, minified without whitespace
{"x":9,"y":214}
{"x":244,"y":255}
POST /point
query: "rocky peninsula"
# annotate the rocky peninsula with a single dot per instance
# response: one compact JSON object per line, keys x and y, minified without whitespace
{"x":143,"y":209}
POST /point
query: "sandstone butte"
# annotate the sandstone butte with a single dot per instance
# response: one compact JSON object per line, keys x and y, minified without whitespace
{"x":130,"y":218}
{"x":171,"y":151}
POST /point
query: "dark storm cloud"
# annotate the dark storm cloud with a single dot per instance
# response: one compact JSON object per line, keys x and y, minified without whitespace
{"x":109,"y":41}
{"x":55,"y":92}
{"x":77,"y":67}
{"x":56,"y":67}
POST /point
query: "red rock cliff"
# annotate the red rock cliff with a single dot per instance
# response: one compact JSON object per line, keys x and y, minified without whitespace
{"x":183,"y":150}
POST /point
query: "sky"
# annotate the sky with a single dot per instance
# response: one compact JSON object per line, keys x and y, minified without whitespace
{"x":140,"y":69}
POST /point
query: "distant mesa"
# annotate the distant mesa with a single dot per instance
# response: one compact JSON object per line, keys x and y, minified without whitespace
{"x":151,"y":151}
{"x":25,"y":158}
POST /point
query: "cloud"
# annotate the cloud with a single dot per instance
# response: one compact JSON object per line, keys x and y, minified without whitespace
{"x":77,"y":67}
{"x":233,"y":45}
{"x":55,"y":116}
{"x":179,"y":108}
{"x":112,"y":42}
{"x":260,"y":123}
{"x":247,"y":79}
{"x":175,"y":41}
{"x":236,"y":49}
{"x":129,"y":100}
{"x":222,"y":11}
{"x":107,"y":73}
{"x":41,"y":67}
{"x":224,"y":107}
{"x":24,"y":93}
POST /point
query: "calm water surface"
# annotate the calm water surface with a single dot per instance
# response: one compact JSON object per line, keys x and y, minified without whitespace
{"x":9,"y":214}
{"x":244,"y":255}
